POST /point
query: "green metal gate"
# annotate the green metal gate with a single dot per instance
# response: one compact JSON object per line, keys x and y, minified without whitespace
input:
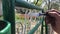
{"x":9,"y":15}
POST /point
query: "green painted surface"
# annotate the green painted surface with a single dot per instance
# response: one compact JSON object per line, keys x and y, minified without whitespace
{"x":21,"y":3}
{"x":46,"y":28}
{"x":7,"y":29}
{"x":42,"y":25}
{"x":9,"y":13}
{"x":32,"y":31}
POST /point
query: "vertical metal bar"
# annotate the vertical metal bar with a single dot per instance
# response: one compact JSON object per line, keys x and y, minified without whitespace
{"x":46,"y":29}
{"x":8,"y":13}
{"x":30,"y":21}
{"x":42,"y":26}
{"x":25,"y":31}
{"x":46,"y":26}
{"x":42,"y":19}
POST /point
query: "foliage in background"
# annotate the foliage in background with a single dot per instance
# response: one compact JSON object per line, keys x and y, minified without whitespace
{"x":38,"y":3}
{"x":55,"y":6}
{"x":1,"y":17}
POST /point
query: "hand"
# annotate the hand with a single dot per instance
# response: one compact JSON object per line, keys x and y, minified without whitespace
{"x":53,"y":18}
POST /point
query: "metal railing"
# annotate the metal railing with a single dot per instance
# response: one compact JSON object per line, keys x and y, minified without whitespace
{"x":9,"y":15}
{"x":31,"y":25}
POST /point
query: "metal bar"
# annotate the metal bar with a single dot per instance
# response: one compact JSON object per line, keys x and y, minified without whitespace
{"x":42,"y":19}
{"x":21,"y":3}
{"x":25,"y":22}
{"x":42,"y":23}
{"x":8,"y":13}
{"x":46,"y":28}
{"x":35,"y":28}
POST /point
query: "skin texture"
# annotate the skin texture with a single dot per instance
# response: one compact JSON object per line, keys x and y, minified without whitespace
{"x":53,"y":18}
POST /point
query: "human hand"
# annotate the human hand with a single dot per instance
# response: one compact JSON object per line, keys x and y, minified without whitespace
{"x":53,"y":18}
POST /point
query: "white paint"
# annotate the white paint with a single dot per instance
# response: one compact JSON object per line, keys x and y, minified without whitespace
{"x":33,"y":14}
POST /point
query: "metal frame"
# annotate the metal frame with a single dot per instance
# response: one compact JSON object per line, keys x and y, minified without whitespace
{"x":9,"y":14}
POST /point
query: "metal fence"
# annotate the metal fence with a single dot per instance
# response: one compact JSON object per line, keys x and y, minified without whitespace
{"x":30,"y":24}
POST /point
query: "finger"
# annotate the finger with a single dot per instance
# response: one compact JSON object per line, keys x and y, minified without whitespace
{"x":47,"y":20}
{"x":53,"y":14}
{"x":54,"y":10}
